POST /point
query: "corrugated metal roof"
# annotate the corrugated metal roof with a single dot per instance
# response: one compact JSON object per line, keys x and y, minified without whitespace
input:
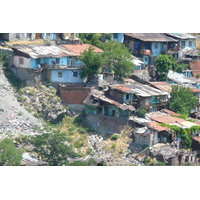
{"x":39,"y":51}
{"x":164,"y":86}
{"x":170,"y":112}
{"x":157,"y":127}
{"x":195,"y":67}
{"x":178,"y":78}
{"x":181,"y":35}
{"x":139,"y":89}
{"x":151,"y":37}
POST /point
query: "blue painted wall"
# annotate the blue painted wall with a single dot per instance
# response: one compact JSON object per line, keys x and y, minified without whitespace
{"x":119,"y":38}
{"x":156,"y":51}
{"x":52,"y":36}
{"x":49,"y":61}
{"x":67,"y":76}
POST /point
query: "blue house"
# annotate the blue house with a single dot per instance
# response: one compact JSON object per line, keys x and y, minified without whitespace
{"x":119,"y":37}
{"x":148,"y":45}
{"x":59,"y":64}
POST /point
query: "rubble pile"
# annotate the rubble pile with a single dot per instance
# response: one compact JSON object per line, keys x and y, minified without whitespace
{"x":44,"y":101}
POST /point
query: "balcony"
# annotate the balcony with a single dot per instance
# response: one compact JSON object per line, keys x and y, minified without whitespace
{"x":145,"y":52}
{"x":58,"y":66}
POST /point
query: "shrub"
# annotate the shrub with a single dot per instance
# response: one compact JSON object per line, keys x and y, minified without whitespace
{"x":78,"y":163}
{"x":160,"y":163}
{"x":113,"y":146}
{"x":114,"y":137}
{"x":140,"y":112}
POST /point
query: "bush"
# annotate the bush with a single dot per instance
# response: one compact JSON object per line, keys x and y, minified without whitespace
{"x":114,"y":137}
{"x":113,"y":146}
{"x":140,"y":112}
{"x":78,"y":163}
{"x":147,"y":161}
{"x":160,"y":163}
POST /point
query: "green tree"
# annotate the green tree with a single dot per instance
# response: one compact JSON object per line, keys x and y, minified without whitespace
{"x":52,"y":148}
{"x":3,"y":59}
{"x":182,"y":100}
{"x":175,"y":66}
{"x":95,"y":39}
{"x":92,"y":63}
{"x":117,"y":59}
{"x":9,"y":154}
{"x":163,"y":65}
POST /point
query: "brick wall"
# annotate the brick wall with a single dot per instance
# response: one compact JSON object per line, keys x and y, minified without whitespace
{"x":72,"y":94}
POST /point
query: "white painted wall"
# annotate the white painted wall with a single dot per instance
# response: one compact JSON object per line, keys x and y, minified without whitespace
{"x":26,"y":62}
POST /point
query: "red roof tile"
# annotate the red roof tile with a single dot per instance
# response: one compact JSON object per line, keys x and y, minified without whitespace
{"x":79,"y":48}
{"x":195,"y":67}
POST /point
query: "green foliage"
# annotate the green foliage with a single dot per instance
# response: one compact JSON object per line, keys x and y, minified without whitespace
{"x":78,"y":163}
{"x":95,"y":39}
{"x":182,"y":100}
{"x":117,"y":59}
{"x":160,"y":163}
{"x":184,"y":133}
{"x":52,"y":148}
{"x":163,"y":65}
{"x":3,"y":59}
{"x":92,"y":63}
{"x":114,"y":137}
{"x":198,"y":75}
{"x":9,"y":154}
{"x":147,"y":161}
{"x":140,"y":112}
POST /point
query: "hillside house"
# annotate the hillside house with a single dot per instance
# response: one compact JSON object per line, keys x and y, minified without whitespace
{"x":148,"y":45}
{"x":59,"y":64}
{"x":185,"y":41}
{"x":139,"y":95}
{"x":98,"y":104}
{"x":17,"y":36}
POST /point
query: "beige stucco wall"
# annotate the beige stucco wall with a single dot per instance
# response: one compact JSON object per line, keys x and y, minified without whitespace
{"x":26,"y":63}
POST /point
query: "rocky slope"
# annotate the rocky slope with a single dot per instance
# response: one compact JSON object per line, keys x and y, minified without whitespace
{"x":14,"y":118}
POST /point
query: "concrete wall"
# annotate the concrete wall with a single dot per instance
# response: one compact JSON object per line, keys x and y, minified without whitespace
{"x":67,"y":76}
{"x":26,"y":62}
{"x":19,"y":36}
{"x":106,"y":124}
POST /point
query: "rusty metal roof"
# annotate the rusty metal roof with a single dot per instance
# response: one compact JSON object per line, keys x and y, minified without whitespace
{"x":155,"y":126}
{"x":79,"y":48}
{"x":40,"y":51}
{"x":139,"y":89}
{"x":95,"y":99}
{"x":170,"y":112}
{"x":197,"y":138}
{"x":195,"y":67}
{"x":178,"y":78}
{"x":164,"y":86}
{"x":151,"y":37}
{"x":168,"y":119}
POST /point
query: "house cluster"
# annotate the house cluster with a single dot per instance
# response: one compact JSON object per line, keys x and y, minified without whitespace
{"x":59,"y":64}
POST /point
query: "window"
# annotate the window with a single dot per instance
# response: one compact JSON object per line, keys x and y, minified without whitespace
{"x":60,"y":74}
{"x":29,"y":35}
{"x":115,"y":35}
{"x":183,"y":43}
{"x":21,"y":61}
{"x":75,"y":74}
{"x":38,"y":61}
{"x":17,"y":35}
{"x":57,"y":60}
{"x":155,"y":45}
{"x":190,"y":43}
{"x":127,"y":96}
